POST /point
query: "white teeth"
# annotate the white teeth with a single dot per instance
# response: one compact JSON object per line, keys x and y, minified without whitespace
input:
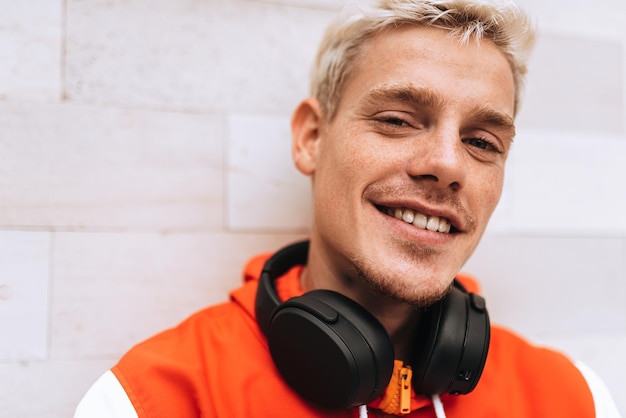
{"x":420,"y":220}
{"x":431,"y":223}
{"x":444,"y":225}
{"x":408,"y":216}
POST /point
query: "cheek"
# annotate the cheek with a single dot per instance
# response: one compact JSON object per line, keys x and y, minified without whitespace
{"x":489,"y":190}
{"x":333,"y":180}
{"x":342,"y":164}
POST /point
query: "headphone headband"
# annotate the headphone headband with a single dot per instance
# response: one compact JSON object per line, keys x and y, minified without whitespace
{"x":277,"y":265}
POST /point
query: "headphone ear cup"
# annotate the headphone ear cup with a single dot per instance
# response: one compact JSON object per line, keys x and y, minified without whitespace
{"x":330,"y":350}
{"x":452,"y":344}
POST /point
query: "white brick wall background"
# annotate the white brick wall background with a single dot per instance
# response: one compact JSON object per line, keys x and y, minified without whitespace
{"x":144,"y":156}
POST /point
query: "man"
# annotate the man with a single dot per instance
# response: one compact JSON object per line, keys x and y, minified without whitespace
{"x":405,"y":139}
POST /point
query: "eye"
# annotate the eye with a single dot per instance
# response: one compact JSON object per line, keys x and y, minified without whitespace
{"x":481,"y":144}
{"x":394,"y":121}
{"x":478,"y":143}
{"x":397,"y":121}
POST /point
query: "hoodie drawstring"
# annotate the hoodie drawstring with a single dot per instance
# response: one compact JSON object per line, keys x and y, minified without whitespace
{"x":363,"y":411}
{"x":439,"y":411}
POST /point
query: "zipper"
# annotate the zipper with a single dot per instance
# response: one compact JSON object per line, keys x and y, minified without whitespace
{"x":397,"y":398}
{"x":406,"y":374}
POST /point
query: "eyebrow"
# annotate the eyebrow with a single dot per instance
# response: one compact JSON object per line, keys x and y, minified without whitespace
{"x":407,"y":94}
{"x":487,"y":116}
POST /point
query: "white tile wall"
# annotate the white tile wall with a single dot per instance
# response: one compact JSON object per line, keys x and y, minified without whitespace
{"x":31,"y":49}
{"x":565,"y":183}
{"x":92,"y":166}
{"x":316,"y":4}
{"x":262,"y":176}
{"x":48,"y":389}
{"x":24,"y":294}
{"x":571,"y":183}
{"x":224,"y":55}
{"x":555,"y":97}
{"x":144,"y":155}
{"x":579,"y":18}
{"x":129,"y":286}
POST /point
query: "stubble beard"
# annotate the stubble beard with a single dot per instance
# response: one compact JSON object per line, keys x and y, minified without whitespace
{"x":408,"y":290}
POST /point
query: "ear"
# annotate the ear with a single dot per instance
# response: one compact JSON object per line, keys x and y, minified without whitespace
{"x":306,"y":125}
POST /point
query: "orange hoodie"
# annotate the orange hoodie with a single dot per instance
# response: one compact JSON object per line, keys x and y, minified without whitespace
{"x":217,"y":364}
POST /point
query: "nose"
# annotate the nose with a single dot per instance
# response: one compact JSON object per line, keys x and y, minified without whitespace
{"x":437,"y":157}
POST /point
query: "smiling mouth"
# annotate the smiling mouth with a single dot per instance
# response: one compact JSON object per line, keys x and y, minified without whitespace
{"x":420,"y":220}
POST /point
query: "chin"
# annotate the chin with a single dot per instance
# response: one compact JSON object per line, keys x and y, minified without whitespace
{"x":419,"y":292}
{"x":413,"y":277}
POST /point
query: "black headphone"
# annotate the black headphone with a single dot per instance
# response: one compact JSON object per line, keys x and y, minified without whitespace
{"x":336,"y":354}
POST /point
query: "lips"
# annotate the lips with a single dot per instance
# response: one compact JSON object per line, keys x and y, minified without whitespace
{"x":420,"y":220}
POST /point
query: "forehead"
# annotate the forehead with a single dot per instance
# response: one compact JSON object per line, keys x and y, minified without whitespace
{"x":475,"y":72}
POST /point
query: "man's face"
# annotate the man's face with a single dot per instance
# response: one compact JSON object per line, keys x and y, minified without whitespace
{"x":408,"y":172}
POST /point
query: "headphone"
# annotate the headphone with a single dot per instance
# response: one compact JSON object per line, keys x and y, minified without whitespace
{"x":337,"y":355}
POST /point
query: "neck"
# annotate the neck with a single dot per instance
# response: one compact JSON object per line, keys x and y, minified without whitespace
{"x":399,"y":319}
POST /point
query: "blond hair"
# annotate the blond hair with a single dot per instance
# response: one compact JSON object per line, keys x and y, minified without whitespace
{"x":502,"y":22}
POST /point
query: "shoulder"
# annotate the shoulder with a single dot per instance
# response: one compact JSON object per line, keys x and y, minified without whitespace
{"x":522,"y":380}
{"x":546,"y":378}
{"x":535,"y":379}
{"x":189,"y":359}
{"x":513,"y":354}
{"x":201,"y":335}
{"x":604,"y":403}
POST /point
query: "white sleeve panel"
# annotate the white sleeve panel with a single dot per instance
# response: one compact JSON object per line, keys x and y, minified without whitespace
{"x":106,"y":399}
{"x":604,"y":403}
